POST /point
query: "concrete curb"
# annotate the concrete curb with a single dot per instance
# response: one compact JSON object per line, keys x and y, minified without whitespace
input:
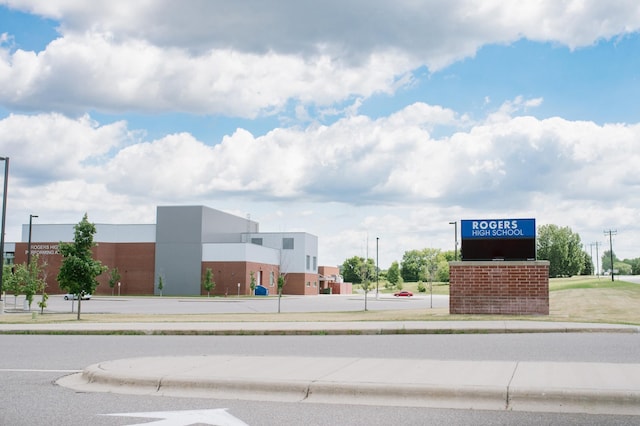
{"x":493,"y":385}
{"x":316,"y":328}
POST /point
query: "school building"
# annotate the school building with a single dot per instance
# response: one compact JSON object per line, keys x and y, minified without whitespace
{"x":184,"y":242}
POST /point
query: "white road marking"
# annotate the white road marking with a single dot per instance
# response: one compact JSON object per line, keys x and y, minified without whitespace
{"x":216,"y":417}
{"x":32,"y":370}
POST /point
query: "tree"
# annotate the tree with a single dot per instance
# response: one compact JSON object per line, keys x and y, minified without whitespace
{"x":20,"y":279}
{"x":34,"y":282}
{"x":411,"y":265}
{"x":114,"y":278}
{"x":79,"y":270}
{"x":622,"y":268}
{"x":208,"y":282}
{"x":635,"y":265}
{"x":562,"y":248}
{"x":442,"y":271}
{"x":281,"y":283}
{"x":365,"y":274}
{"x":606,"y":260}
{"x":252,"y":282}
{"x":10,"y":282}
{"x":587,"y":264}
{"x":419,"y":264}
{"x":393,"y":274}
{"x":160,"y":285}
{"x":43,"y":302}
{"x":351,"y":269}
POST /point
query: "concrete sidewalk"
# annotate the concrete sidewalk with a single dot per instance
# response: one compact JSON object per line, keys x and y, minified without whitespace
{"x":309,"y":328}
{"x":493,"y":385}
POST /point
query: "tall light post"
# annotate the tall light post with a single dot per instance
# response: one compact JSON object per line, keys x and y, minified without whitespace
{"x":377,"y":267}
{"x":4,"y":216}
{"x":31,"y":216}
{"x":455,"y":237}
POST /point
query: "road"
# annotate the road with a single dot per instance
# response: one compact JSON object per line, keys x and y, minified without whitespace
{"x":629,"y":278}
{"x":29,"y":366}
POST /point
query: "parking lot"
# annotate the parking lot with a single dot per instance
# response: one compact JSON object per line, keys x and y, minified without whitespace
{"x":218,"y":305}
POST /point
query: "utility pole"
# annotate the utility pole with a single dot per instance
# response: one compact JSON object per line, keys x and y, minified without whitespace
{"x":611,"y":233}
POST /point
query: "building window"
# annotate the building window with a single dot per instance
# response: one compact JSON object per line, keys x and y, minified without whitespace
{"x":308,"y":283}
{"x":257,"y":241}
{"x":315,"y":263}
{"x":308,"y":262}
{"x":271,"y":279}
{"x":315,"y":283}
{"x":287,"y":243}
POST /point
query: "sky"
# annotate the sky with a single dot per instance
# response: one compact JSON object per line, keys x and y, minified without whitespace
{"x":371,"y":124}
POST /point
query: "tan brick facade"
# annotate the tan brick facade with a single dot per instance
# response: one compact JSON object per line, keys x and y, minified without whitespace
{"x":504,"y":288}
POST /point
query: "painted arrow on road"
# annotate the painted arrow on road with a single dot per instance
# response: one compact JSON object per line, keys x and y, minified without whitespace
{"x":216,"y":417}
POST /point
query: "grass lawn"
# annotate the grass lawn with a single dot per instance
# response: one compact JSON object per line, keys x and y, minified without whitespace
{"x":576,"y":299}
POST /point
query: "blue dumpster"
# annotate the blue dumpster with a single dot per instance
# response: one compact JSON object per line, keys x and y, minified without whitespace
{"x":261,"y":291}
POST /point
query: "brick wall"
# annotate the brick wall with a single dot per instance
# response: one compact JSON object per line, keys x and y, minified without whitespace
{"x":134,"y":262}
{"x":506,"y":288}
{"x":227,"y":276}
{"x":301,"y":284}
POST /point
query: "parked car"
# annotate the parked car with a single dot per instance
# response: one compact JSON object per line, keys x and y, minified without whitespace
{"x":403,"y":293}
{"x":70,"y":296}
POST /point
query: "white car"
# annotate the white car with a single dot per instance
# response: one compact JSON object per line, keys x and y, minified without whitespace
{"x":70,"y":296}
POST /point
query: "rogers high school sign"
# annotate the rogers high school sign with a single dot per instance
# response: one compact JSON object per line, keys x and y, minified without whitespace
{"x":498,"y":239}
{"x":498,"y":228}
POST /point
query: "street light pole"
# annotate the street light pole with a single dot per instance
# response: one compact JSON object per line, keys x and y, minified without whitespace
{"x":377,"y":267}
{"x":4,"y":216}
{"x":455,"y":237}
{"x":31,"y":216}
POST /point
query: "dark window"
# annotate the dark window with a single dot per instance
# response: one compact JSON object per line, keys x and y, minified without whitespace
{"x":287,"y":243}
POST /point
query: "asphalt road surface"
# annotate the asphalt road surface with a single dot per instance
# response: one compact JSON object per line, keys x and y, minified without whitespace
{"x":30,"y":365}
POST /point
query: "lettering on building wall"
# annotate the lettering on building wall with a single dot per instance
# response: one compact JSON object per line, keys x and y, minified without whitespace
{"x":43,"y":249}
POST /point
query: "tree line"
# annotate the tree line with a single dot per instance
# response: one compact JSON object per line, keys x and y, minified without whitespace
{"x":559,"y":245}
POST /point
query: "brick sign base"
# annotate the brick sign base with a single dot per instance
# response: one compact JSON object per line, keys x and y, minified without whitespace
{"x":499,"y":287}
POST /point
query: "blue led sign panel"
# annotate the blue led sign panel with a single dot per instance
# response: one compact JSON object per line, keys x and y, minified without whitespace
{"x":498,"y":239}
{"x":498,"y":228}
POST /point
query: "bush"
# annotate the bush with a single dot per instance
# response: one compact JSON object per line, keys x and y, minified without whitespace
{"x":421,"y":287}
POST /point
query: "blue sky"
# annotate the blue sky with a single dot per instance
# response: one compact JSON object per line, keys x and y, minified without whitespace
{"x":447,"y":112}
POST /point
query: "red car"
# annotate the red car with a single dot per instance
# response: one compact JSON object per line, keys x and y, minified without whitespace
{"x":403,"y":293}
